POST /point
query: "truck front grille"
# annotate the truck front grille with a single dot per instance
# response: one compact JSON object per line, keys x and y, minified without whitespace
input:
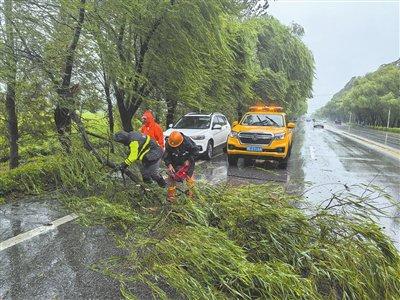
{"x":255,"y":138}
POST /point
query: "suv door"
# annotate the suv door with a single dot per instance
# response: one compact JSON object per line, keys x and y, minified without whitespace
{"x":215,"y":132}
{"x":220,"y":137}
{"x":226,"y":128}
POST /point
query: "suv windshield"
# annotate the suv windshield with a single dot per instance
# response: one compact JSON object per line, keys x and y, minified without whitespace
{"x":263,"y":120}
{"x":193,"y":122}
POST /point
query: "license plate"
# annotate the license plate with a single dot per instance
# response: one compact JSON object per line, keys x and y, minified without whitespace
{"x":254,"y":149}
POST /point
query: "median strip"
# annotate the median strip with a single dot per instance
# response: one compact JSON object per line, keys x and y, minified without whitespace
{"x":35,"y":232}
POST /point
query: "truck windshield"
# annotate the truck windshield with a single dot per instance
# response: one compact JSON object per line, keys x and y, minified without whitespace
{"x":193,"y":122}
{"x":263,"y":120}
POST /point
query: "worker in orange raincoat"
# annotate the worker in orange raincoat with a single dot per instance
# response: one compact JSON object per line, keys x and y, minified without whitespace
{"x":151,"y":128}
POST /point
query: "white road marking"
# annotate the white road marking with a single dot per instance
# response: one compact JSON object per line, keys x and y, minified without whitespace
{"x":312,"y":152}
{"x":35,"y":232}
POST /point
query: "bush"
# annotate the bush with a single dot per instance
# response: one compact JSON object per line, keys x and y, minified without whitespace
{"x":75,"y":173}
{"x":34,"y":176}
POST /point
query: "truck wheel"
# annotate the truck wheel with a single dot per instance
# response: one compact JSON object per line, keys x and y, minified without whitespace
{"x":248,"y":162}
{"x":232,"y":160}
{"x":283,"y":162}
{"x":289,"y":151}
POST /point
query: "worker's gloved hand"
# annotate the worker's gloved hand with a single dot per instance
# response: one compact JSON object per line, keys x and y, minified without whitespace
{"x":122,"y":167}
{"x":170,"y":169}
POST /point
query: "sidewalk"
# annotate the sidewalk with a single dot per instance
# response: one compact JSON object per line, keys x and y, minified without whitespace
{"x":386,"y":150}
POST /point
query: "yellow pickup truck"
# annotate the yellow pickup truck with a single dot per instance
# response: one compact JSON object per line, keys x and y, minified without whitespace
{"x":262,"y":133}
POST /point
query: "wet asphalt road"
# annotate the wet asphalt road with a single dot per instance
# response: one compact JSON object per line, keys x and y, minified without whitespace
{"x":56,"y":265}
{"x":322,"y":164}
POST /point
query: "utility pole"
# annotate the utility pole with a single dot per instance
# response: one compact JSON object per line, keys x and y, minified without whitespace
{"x":388,"y":121}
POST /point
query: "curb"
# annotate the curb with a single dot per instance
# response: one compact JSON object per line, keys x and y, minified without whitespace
{"x":388,"y":151}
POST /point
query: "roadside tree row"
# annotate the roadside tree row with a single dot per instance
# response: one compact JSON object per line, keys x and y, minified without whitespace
{"x":368,"y":99}
{"x":116,"y":58}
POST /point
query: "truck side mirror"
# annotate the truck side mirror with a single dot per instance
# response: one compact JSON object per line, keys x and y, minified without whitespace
{"x":291,"y":125}
{"x":235,"y":123}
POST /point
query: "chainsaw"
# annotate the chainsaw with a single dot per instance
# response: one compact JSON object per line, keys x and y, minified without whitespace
{"x":181,"y":174}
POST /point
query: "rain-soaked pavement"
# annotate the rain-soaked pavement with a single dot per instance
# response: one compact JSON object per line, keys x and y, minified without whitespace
{"x":56,"y":264}
{"x":322,"y":164}
{"x":53,"y":265}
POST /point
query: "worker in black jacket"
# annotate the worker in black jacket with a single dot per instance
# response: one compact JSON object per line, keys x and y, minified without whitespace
{"x":179,"y":156}
{"x":144,"y":149}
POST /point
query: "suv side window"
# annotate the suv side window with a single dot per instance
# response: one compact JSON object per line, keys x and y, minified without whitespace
{"x":215,"y":121}
{"x":222,"y":120}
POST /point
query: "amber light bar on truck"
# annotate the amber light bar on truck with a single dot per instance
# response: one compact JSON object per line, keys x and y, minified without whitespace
{"x":266,"y":109}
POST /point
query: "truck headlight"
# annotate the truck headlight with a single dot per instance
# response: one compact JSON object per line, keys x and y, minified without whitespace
{"x":279,"y":136}
{"x":198,"y":137}
{"x":233,"y":134}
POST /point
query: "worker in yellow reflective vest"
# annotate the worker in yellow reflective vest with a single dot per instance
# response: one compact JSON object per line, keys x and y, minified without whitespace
{"x":144,"y":149}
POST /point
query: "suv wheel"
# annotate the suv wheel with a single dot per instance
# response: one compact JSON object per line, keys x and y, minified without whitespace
{"x":209,"y":150}
{"x":232,"y":160}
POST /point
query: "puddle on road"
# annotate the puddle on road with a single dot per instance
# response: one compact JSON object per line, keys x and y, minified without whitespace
{"x":218,"y":171}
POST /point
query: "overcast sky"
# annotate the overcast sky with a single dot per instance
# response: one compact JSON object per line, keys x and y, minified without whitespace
{"x":347,"y":38}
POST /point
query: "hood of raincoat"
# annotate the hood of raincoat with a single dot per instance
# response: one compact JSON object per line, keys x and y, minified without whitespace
{"x":149,"y":118}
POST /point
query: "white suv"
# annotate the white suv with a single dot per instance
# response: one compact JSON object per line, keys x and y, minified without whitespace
{"x":207,"y":131}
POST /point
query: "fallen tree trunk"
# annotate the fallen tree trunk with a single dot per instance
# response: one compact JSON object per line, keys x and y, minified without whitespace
{"x":98,"y":136}
{"x":104,"y":161}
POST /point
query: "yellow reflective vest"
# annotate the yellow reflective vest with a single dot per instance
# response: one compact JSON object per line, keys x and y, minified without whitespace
{"x":137,"y":152}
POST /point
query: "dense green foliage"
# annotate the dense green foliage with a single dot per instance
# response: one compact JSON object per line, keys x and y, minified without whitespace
{"x":287,"y":67}
{"x":245,"y":242}
{"x":369,"y":98}
{"x":118,"y":58}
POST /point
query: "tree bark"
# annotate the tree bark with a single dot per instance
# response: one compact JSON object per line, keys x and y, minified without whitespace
{"x":109,"y":108}
{"x":11,"y":79}
{"x":62,"y":113}
{"x":171,"y":108}
{"x":126,"y":118}
{"x":239,"y":110}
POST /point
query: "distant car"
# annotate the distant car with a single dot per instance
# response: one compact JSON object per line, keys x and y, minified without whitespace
{"x":208,"y":131}
{"x":338,"y":122}
{"x":308,"y":119}
{"x":318,"y":124}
